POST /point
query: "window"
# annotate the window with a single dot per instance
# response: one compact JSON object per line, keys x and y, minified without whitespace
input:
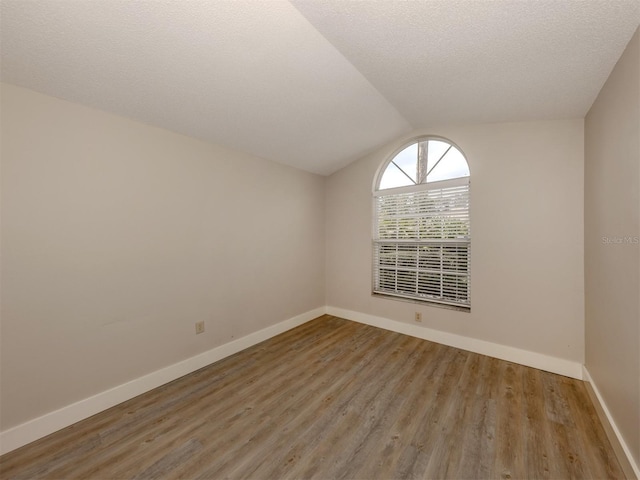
{"x":421,"y":240}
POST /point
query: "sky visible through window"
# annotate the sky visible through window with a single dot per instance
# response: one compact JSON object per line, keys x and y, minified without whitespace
{"x":441,"y":164}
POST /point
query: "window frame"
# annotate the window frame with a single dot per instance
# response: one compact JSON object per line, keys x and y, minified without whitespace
{"x":420,"y":187}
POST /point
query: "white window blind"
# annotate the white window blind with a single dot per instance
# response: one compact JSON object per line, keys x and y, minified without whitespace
{"x":421,"y":242}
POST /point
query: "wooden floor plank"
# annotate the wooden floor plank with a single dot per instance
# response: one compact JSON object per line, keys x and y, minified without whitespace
{"x":365,"y":413}
{"x":377,"y":446}
{"x":337,"y":399}
{"x":320,"y":397}
{"x":510,"y":444}
{"x":328,"y":408}
{"x":537,"y":441}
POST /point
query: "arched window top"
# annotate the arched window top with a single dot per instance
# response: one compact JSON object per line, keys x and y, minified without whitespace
{"x":427,"y":160}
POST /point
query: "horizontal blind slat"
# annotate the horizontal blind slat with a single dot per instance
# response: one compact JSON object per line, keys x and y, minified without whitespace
{"x":422,"y":243}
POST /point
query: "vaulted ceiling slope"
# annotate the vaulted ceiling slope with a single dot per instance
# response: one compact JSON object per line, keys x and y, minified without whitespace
{"x":316,"y":84}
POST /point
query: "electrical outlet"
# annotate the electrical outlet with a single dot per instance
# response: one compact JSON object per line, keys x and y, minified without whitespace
{"x":418,"y":316}
{"x":199,"y":327}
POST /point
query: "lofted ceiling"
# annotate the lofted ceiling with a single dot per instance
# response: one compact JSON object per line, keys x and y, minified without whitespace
{"x":317,"y":84}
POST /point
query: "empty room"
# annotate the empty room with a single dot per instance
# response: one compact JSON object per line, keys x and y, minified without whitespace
{"x":320,"y":239}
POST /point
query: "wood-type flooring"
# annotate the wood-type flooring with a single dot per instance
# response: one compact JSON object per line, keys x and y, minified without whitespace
{"x":337,"y":399}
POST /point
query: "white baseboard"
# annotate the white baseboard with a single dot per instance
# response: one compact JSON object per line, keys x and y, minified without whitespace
{"x":39,"y":427}
{"x":612,"y":423}
{"x":523,"y":357}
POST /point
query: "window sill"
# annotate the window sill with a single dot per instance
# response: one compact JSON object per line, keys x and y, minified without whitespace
{"x":426,"y":303}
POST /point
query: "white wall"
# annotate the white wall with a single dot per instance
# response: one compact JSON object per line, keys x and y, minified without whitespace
{"x":612,"y":262}
{"x":527,"y":238}
{"x":117,"y":237}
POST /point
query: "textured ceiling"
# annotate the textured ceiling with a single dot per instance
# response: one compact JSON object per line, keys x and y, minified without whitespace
{"x":317,"y":84}
{"x":465,"y":61}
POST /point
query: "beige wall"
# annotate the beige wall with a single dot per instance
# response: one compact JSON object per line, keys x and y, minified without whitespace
{"x":612,"y":269}
{"x":117,"y":237}
{"x":527,"y":238}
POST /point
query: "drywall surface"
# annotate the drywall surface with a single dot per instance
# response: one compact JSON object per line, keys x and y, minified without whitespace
{"x":612,"y":250}
{"x":527,"y":238}
{"x":118,"y":237}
